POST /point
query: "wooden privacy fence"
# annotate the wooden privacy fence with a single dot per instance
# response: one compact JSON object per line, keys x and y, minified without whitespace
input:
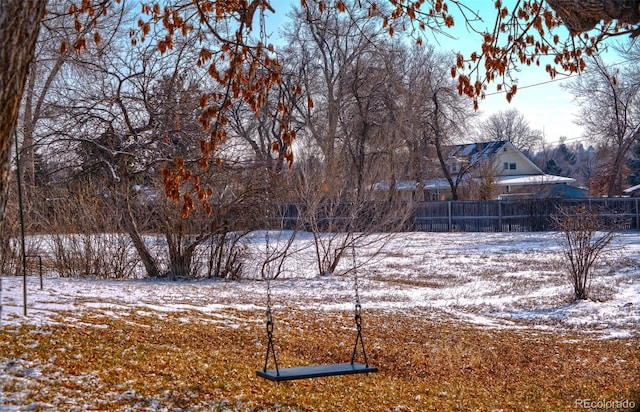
{"x":518,"y":215}
{"x":528,"y":215}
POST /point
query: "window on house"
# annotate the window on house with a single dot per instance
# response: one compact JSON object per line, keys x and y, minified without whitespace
{"x":506,"y":166}
{"x":512,"y":166}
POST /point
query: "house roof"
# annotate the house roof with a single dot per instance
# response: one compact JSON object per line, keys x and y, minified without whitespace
{"x":524,"y":180}
{"x":477,"y":152}
{"x":518,"y":180}
{"x":401,"y":185}
{"x":569,"y":192}
{"x":632,"y":189}
{"x":442,"y":183}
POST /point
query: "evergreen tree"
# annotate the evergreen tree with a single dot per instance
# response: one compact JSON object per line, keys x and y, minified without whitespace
{"x":567,"y":154}
{"x":634,"y":166}
{"x":552,"y":168}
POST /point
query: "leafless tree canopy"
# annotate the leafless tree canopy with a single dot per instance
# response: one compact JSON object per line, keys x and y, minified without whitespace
{"x":511,"y":126}
{"x":609,"y":100}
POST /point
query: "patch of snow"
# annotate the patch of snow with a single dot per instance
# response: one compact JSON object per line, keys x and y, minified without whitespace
{"x":509,"y":280}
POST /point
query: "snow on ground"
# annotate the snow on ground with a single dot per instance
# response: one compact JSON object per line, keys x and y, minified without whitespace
{"x":513,"y":280}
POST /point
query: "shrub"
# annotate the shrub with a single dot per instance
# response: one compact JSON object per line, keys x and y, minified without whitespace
{"x":582,"y":243}
{"x":108,"y":256}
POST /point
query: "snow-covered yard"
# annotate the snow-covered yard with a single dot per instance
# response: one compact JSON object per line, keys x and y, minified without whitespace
{"x":500,"y":280}
{"x":453,"y":321}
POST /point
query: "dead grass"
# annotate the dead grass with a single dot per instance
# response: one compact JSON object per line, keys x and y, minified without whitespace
{"x":414,"y":282}
{"x":139,"y":361}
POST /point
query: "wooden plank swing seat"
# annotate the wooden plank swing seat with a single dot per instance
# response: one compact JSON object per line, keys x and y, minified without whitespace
{"x":317,"y":371}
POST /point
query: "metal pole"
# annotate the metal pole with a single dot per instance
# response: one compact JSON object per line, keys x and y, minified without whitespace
{"x":24,"y":253}
{"x":40,"y":266}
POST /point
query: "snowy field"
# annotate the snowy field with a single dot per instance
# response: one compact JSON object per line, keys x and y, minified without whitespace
{"x":495,"y":280}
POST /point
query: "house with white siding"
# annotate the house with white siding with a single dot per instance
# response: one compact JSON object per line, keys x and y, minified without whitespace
{"x":498,"y":164}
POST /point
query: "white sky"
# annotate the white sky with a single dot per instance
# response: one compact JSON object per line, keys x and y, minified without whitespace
{"x":544,"y":103}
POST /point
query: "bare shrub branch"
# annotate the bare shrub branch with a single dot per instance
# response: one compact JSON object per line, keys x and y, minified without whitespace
{"x":584,"y":237}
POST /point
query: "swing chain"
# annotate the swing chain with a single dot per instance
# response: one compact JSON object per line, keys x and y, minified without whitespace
{"x":356,"y":286}
{"x":358,"y":318}
{"x":269,"y":315}
{"x":266,"y":274}
{"x":270,"y":346}
{"x":358,"y":312}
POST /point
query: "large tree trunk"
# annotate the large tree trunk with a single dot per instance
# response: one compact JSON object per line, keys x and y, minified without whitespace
{"x":438,"y":144}
{"x":19,"y":27}
{"x":131,"y":227}
{"x":584,"y":15}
